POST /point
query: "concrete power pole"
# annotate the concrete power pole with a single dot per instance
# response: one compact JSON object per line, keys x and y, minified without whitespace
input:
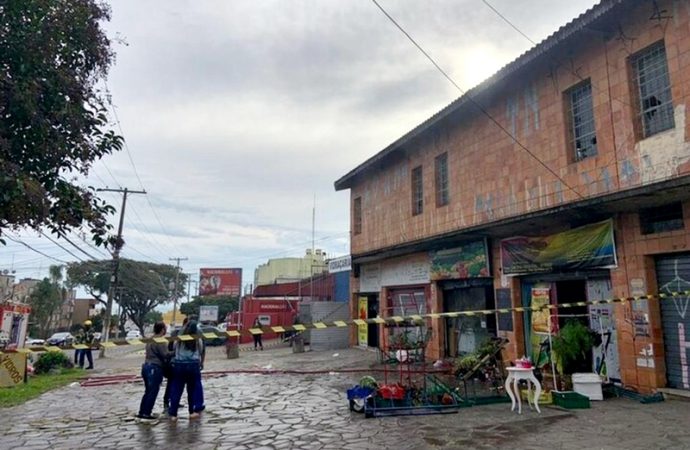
{"x":177,"y":279}
{"x":116,"y":262}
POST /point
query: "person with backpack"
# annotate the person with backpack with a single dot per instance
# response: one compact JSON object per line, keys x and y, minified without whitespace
{"x":186,"y":372}
{"x":157,"y":358}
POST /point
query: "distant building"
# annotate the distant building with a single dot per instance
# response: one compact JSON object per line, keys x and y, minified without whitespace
{"x":285,"y":270}
{"x":179,"y":318}
{"x":84,"y":309}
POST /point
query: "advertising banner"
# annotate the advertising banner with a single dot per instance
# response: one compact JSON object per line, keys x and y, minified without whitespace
{"x":12,"y":369}
{"x":208,"y":313}
{"x":591,"y":246}
{"x":540,"y":323}
{"x":220,"y":282}
{"x":362,"y":330}
{"x":469,"y":261}
{"x":342,"y":264}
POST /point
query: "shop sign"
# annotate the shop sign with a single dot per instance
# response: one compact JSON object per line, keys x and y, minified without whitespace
{"x":406,"y":272}
{"x":591,"y":246}
{"x":469,"y":261}
{"x":208,"y":313}
{"x":12,"y":369}
{"x":370,"y":278}
{"x":342,"y":264}
{"x":362,"y":330}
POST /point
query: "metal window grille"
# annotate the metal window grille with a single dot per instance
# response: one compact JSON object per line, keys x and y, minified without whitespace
{"x":662,"y":218}
{"x":442,"y":190}
{"x":357,"y":216}
{"x":583,"y":130}
{"x":417,"y":191}
{"x":654,"y":90}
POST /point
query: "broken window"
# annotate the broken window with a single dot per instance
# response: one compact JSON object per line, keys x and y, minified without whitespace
{"x":654,"y":90}
{"x":582,"y":128}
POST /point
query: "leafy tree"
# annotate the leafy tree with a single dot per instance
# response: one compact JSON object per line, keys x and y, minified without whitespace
{"x":46,"y":300}
{"x":53,"y":55}
{"x":94,"y":276}
{"x":153,"y":317}
{"x":142,"y":286}
{"x":226,"y":304}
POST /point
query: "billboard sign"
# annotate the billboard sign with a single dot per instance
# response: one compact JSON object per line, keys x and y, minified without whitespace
{"x":342,"y":264}
{"x":220,"y":282}
{"x":208,"y":313}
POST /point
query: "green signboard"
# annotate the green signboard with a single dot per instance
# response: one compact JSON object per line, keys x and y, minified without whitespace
{"x":469,"y":261}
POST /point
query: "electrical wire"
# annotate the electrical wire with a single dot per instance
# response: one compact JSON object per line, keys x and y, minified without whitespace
{"x":475,"y":103}
{"x":17,"y":240}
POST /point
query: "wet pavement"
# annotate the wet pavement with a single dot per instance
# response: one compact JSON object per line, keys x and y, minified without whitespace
{"x":309,"y":411}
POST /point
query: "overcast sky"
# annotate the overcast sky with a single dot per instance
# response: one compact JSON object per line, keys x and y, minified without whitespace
{"x":238,"y":113}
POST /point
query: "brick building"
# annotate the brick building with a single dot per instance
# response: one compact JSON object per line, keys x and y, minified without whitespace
{"x":563,"y":177}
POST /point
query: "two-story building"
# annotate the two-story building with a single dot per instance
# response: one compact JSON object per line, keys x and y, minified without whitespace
{"x":564,"y":177}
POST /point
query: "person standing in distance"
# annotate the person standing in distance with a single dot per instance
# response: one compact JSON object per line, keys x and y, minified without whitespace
{"x":87,"y":339}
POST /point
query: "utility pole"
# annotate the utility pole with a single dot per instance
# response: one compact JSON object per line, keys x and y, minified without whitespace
{"x":177,"y":279}
{"x":116,"y":261}
{"x":189,"y":285}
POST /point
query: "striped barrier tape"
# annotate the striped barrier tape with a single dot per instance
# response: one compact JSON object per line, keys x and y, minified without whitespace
{"x":393,"y":320}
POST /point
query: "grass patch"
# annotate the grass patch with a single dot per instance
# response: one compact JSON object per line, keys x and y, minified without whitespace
{"x":36,"y":386}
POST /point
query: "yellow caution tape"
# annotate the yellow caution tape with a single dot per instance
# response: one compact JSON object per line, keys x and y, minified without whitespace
{"x":360,"y":322}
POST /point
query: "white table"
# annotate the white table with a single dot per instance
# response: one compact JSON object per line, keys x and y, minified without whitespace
{"x":515,"y":374}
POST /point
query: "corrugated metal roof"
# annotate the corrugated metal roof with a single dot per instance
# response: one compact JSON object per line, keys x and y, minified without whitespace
{"x":564,"y":33}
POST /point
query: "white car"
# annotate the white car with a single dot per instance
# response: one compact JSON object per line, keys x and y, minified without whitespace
{"x":34,"y":341}
{"x":133,"y":334}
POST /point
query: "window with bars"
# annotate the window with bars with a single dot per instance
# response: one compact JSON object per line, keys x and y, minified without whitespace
{"x":417,"y":191}
{"x":441,"y":180}
{"x":650,"y":69}
{"x":582,"y":127}
{"x":357,"y":216}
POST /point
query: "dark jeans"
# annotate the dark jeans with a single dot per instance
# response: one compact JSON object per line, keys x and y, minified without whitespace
{"x":89,"y":356}
{"x":76,"y":356}
{"x":153,"y":377}
{"x":257,"y":341}
{"x":187,"y":375}
{"x":198,"y":395}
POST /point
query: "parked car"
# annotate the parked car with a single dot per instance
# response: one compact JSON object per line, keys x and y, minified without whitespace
{"x":133,"y":334}
{"x":34,"y":341}
{"x":61,"y":339}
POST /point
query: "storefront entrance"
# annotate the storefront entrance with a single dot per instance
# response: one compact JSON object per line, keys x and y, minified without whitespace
{"x":673,"y":275}
{"x":570,"y":288}
{"x":465,"y":334}
{"x":372,"y":328}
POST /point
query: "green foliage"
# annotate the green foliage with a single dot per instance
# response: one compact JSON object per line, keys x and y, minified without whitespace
{"x":45,"y":300}
{"x":152,"y":317}
{"x":52,"y":360}
{"x":142,"y":286}
{"x":226,"y":304}
{"x":54,"y":117}
{"x":36,"y":386}
{"x":466,"y":363}
{"x":572,"y":345}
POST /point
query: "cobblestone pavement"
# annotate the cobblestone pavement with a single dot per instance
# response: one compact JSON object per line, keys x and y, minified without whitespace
{"x":249,"y":411}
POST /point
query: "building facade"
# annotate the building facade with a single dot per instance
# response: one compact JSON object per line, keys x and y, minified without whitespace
{"x":564,"y":177}
{"x":285,"y":270}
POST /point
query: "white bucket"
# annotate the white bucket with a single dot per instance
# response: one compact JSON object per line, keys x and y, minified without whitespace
{"x":588,"y":384}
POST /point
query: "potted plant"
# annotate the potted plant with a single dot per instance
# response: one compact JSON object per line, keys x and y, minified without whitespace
{"x":572,"y":347}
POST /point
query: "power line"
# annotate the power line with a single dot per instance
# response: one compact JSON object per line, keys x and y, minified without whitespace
{"x":475,"y":103}
{"x":134,"y":167}
{"x":17,"y":240}
{"x":59,"y":245}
